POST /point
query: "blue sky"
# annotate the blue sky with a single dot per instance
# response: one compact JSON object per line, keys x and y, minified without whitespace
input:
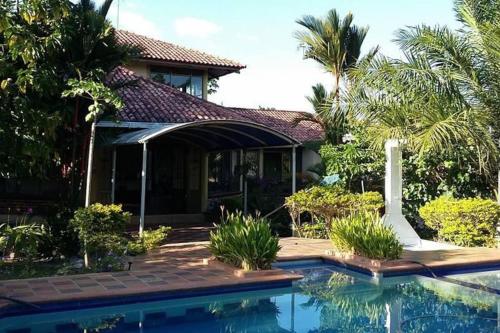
{"x":259,"y":34}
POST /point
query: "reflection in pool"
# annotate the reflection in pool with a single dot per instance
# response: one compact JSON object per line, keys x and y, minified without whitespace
{"x":328,"y":299}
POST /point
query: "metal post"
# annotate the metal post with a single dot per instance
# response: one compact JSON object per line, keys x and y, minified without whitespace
{"x":294,"y":169}
{"x":245,"y":186}
{"x":261,"y":163}
{"x":242,"y":161}
{"x":143,"y":186}
{"x":113,"y":176}
{"x":89,"y":164}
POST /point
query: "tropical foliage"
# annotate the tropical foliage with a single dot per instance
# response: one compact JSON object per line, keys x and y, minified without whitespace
{"x":244,"y":241}
{"x":359,"y":166}
{"x":50,"y":49}
{"x":444,"y":93}
{"x":335,"y":43}
{"x":364,"y":234}
{"x":22,"y":240}
{"x":464,"y":222}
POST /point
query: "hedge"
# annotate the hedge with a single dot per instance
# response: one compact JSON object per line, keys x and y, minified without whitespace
{"x":331,"y":202}
{"x":463,"y":222}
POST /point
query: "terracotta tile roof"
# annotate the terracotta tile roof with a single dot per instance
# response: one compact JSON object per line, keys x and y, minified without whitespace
{"x":154,"y":49}
{"x":284,"y":121}
{"x":149,"y":101}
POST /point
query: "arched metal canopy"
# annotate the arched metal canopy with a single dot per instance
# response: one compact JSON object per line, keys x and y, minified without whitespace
{"x":212,"y":134}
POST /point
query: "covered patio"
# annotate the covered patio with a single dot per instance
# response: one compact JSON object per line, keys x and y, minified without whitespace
{"x":175,"y":164}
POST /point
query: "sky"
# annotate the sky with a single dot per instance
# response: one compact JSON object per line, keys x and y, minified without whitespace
{"x":260,"y":35}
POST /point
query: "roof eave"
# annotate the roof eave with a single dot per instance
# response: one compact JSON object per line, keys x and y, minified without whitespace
{"x":213,"y":70}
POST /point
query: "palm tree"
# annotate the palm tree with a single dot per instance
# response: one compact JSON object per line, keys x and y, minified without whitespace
{"x":322,"y":102}
{"x":446,"y":90}
{"x":335,"y":44}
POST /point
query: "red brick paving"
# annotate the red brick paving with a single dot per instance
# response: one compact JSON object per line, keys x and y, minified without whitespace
{"x":180,"y":267}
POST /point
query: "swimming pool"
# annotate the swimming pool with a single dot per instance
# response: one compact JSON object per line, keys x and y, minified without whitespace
{"x":327,"y":299}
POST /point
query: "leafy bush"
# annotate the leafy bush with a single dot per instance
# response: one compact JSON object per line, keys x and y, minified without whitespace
{"x":330,"y":202}
{"x":364,"y":234}
{"x":355,"y":162}
{"x":244,"y":241}
{"x":149,"y":240}
{"x":100,"y":229}
{"x":316,"y":230}
{"x":154,"y":238}
{"x":21,"y":240}
{"x":464,"y":222}
{"x":63,"y":238}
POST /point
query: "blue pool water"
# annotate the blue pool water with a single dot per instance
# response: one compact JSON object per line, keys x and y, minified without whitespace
{"x":328,"y":299}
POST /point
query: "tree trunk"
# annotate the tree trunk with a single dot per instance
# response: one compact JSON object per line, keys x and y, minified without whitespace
{"x":89,"y":179}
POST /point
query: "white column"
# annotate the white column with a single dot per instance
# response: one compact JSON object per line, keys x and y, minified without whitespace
{"x":113,"y":176}
{"x":294,"y":169}
{"x":394,"y":196}
{"x":89,"y":164}
{"x":143,"y":186}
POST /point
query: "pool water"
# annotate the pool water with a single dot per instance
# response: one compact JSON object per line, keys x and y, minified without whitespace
{"x":489,"y":279}
{"x":328,"y":299}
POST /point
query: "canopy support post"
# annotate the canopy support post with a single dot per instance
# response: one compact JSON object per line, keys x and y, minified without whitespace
{"x":261,"y":163}
{"x":242,"y":161}
{"x":113,"y":176}
{"x":294,"y":169}
{"x":143,"y":186}
{"x":245,"y":187}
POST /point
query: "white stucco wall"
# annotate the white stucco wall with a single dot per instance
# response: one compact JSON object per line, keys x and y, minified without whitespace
{"x":309,"y":158}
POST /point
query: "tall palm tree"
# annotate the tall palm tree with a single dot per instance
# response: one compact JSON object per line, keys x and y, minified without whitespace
{"x":322,"y":101}
{"x":446,"y":90}
{"x":335,"y":44}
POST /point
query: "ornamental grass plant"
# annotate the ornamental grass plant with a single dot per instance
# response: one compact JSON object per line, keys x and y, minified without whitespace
{"x":244,"y":241}
{"x":364,"y":234}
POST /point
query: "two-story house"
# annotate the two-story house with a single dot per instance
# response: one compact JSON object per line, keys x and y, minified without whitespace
{"x":172,"y":154}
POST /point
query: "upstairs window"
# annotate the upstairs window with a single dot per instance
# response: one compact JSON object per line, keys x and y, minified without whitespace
{"x":188,"y":82}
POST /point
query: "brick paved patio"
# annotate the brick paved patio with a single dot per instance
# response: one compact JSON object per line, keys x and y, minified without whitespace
{"x":180,"y":267}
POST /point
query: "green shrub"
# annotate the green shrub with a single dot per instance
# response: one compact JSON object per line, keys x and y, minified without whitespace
{"x":101,"y":230}
{"x":149,"y":240}
{"x":364,"y":234}
{"x":463,"y":222}
{"x":22,"y":240}
{"x":154,"y":238}
{"x":316,"y":230}
{"x":244,"y":241}
{"x":332,"y":201}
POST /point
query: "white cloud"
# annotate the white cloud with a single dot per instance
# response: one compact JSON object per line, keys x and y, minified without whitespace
{"x":137,"y":23}
{"x":195,"y":27}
